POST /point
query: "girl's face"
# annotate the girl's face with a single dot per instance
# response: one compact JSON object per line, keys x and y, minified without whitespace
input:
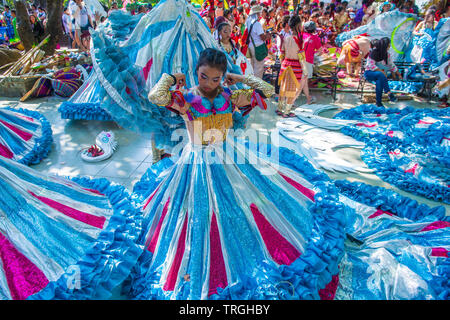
{"x":225,"y":33}
{"x":209,"y":78}
{"x":32,"y":19}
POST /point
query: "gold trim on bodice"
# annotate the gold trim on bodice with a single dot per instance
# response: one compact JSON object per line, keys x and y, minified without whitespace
{"x":209,"y":129}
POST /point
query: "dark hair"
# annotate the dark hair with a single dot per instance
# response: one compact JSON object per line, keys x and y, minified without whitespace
{"x":213,"y":58}
{"x":222,"y":25}
{"x":379,"y":51}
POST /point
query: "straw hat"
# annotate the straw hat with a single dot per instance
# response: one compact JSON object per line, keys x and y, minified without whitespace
{"x":255,"y":9}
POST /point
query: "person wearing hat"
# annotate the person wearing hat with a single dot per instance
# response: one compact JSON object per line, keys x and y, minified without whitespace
{"x":386,"y":6}
{"x":311,"y":43}
{"x":256,"y":38}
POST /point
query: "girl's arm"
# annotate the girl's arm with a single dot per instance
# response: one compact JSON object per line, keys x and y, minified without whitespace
{"x":162,"y":96}
{"x":258,"y":91}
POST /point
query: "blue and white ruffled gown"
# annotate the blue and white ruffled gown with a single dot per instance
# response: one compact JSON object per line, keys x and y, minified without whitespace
{"x":63,"y":239}
{"x":229,"y":220}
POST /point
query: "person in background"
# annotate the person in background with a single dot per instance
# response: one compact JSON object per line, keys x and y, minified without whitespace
{"x":311,"y":43}
{"x":341,"y":18}
{"x":360,"y":14}
{"x":353,"y":52}
{"x":42,"y":15}
{"x":34,"y":10}
{"x":209,"y":18}
{"x":82,"y":23}
{"x":7,"y":17}
{"x":228,"y":15}
{"x":429,"y":22}
{"x":67,"y":26}
{"x":256,"y":37}
{"x":293,"y":73}
{"x":378,"y":67}
{"x":386,"y":6}
{"x":370,"y":15}
{"x":37,"y":28}
{"x":142,"y":9}
{"x":113,"y":7}
{"x":219,"y":9}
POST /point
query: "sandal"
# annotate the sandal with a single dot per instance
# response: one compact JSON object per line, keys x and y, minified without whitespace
{"x":102,"y":150}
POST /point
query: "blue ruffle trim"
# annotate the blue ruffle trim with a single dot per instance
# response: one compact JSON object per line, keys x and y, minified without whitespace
{"x":376,"y":156}
{"x":408,"y":87}
{"x":419,"y":140}
{"x":403,"y":207}
{"x":83,"y":111}
{"x":150,"y":180}
{"x":42,"y":145}
{"x":302,"y":279}
{"x":389,"y":200}
{"x":109,"y":261}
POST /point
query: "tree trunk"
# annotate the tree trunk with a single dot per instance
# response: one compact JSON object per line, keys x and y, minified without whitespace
{"x":23,"y":24}
{"x":54,"y":25}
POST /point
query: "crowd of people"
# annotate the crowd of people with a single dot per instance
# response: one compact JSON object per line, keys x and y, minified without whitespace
{"x":254,"y":29}
{"x":258,"y":28}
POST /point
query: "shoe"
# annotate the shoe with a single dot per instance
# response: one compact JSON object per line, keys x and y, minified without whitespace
{"x":392,"y":97}
{"x":278,"y":112}
{"x":104,"y":147}
{"x":380,"y":105}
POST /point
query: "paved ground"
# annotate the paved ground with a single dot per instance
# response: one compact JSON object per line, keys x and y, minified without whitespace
{"x":133,"y":155}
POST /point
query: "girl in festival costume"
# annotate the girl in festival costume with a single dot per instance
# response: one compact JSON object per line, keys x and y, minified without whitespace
{"x":25,"y":136}
{"x":293,"y":74}
{"x":62,"y":239}
{"x":228,"y":220}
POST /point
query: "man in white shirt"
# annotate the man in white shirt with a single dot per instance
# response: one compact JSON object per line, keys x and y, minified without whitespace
{"x":256,"y":38}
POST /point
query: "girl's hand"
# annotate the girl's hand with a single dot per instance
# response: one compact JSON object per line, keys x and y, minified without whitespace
{"x":181,"y":79}
{"x":232,"y":78}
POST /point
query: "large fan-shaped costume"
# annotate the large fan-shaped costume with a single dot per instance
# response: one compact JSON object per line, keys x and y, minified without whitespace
{"x":62,"y":239}
{"x":25,"y":136}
